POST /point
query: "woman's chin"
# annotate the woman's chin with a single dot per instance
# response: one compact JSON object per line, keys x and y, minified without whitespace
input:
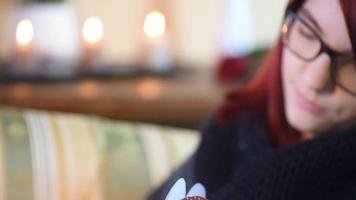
{"x":304,"y":122}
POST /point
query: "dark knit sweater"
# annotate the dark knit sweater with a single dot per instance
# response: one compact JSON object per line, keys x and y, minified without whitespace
{"x":238,"y":161}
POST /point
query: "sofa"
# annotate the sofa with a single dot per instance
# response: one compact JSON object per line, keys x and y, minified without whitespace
{"x":60,"y":156}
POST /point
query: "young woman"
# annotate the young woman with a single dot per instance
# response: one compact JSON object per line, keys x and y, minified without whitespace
{"x":290,"y":133}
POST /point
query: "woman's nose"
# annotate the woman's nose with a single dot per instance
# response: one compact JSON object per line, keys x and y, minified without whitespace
{"x":317,"y":74}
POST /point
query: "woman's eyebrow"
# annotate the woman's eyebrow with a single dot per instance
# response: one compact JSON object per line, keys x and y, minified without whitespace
{"x":310,"y":18}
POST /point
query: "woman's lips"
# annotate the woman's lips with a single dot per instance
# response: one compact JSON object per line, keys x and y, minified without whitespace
{"x":308,"y":105}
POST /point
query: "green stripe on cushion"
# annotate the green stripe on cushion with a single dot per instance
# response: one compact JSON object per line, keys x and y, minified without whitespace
{"x":127,"y":175}
{"x":180,"y":144}
{"x":18,"y":162}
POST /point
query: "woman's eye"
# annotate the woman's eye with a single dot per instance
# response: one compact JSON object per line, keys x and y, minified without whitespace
{"x":306,"y":33}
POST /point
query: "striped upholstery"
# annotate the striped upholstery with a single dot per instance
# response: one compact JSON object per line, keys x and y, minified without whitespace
{"x":57,"y":156}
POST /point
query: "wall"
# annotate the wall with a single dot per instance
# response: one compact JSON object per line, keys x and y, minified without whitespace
{"x":5,"y":9}
{"x":193,"y":22}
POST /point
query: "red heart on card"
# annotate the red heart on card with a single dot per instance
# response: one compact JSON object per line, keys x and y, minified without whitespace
{"x":195,"y":198}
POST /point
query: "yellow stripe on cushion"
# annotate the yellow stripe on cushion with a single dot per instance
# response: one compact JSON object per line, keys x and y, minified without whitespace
{"x":82,"y":160}
{"x":62,"y":178}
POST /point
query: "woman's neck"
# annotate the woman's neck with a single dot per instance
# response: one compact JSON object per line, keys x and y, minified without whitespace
{"x":307,"y":135}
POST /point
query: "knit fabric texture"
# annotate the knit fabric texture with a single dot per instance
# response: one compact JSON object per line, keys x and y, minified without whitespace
{"x":238,"y":161}
{"x":322,"y":168}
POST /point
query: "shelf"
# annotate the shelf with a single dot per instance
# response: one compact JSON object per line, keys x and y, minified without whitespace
{"x":182,"y":100}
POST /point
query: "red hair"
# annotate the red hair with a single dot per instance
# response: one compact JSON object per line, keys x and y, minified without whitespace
{"x":349,"y":10}
{"x":264,"y":93}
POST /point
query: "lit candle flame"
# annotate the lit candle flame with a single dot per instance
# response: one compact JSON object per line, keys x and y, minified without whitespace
{"x":155,"y":24}
{"x":93,"y":30}
{"x":24,"y":33}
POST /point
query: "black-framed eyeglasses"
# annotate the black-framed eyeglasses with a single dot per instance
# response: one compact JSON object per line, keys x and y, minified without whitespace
{"x":305,"y":43}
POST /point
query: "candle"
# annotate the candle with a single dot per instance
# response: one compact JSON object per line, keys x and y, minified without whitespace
{"x":92,"y":37}
{"x":158,"y":52}
{"x":24,"y":39}
{"x":44,"y":41}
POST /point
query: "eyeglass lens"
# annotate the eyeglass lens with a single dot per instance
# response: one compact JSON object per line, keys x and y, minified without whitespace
{"x":303,"y":42}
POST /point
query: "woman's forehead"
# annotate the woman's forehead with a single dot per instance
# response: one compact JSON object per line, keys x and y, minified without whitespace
{"x":330,"y":18}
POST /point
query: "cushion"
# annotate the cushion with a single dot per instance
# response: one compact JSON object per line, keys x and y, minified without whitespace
{"x":52,"y":155}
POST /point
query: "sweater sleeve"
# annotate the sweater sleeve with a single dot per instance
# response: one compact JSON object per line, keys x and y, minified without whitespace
{"x":211,"y":164}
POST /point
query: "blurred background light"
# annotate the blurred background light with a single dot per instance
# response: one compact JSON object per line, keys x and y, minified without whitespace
{"x":24,"y":33}
{"x":93,"y":30}
{"x":155,"y":24}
